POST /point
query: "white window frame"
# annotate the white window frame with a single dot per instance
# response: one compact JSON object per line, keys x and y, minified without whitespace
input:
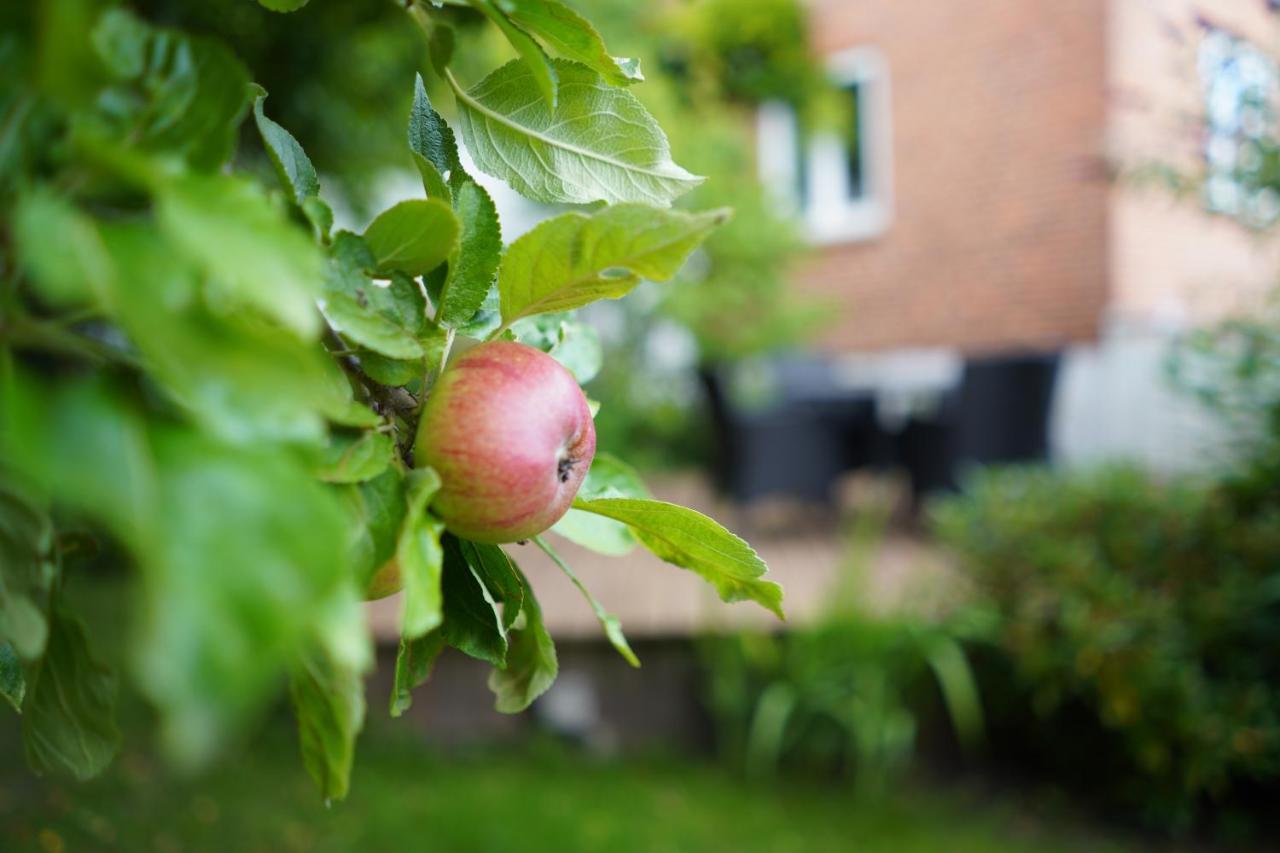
{"x":829,"y":213}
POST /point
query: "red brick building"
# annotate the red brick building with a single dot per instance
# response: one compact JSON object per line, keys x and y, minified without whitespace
{"x":991,"y":199}
{"x":980,"y":208}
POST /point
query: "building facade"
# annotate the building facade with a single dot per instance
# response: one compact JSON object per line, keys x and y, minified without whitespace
{"x":1006,"y":190}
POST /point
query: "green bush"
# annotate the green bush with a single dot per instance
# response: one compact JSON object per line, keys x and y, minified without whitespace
{"x":848,"y":695}
{"x":1137,"y":619}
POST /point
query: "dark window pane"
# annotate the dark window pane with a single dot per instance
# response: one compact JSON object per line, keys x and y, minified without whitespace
{"x":856,"y":134}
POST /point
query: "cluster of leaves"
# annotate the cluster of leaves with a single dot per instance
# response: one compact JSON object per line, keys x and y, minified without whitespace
{"x":210,"y":376}
{"x":1131,"y":623}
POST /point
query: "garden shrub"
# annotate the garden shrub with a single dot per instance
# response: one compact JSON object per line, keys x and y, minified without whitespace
{"x":1134,"y":628}
{"x":848,"y":696}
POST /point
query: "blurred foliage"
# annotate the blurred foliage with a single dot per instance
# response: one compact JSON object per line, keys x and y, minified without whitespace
{"x":336,"y":72}
{"x":1138,"y":617}
{"x":198,"y":369}
{"x":1233,"y":368}
{"x":1138,"y":621}
{"x":1134,"y":619}
{"x":734,"y":297}
{"x":848,"y":694}
{"x":537,"y":796}
{"x":841,"y":696}
{"x":745,"y":53}
{"x":331,"y":68}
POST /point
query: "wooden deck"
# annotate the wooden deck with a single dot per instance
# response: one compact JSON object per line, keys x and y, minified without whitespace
{"x":815,"y":559}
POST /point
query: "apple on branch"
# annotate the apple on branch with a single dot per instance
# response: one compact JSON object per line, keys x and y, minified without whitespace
{"x":511,"y":435}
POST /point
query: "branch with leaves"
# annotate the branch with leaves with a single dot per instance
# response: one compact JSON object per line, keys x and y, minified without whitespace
{"x":209,"y":373}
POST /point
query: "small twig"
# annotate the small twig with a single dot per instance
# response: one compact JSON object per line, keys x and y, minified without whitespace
{"x":387,"y":400}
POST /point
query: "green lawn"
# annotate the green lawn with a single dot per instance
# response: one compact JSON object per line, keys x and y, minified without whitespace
{"x":406,"y":796}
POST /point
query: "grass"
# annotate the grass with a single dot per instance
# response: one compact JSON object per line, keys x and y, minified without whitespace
{"x":538,"y":796}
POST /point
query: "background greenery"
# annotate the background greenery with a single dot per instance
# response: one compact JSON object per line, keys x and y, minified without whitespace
{"x":200,"y":372}
{"x":537,"y":797}
{"x":1133,"y":620}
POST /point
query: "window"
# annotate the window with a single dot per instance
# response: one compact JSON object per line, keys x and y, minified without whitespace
{"x":839,"y":180}
{"x":1240,"y":85}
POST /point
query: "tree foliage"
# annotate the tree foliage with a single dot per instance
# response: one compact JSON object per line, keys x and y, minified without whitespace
{"x":198,"y":368}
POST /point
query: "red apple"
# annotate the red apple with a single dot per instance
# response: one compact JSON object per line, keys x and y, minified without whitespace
{"x":509,"y":431}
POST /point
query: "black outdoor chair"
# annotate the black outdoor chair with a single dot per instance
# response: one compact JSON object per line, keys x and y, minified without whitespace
{"x":999,"y":414}
{"x":795,"y":446}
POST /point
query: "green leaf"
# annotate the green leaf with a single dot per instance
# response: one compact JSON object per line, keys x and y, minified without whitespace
{"x":320,"y":215}
{"x":414,"y":662}
{"x":388,"y":319}
{"x":486,"y":320}
{"x":571,"y":342}
{"x":578,"y":348}
{"x":361,"y":325}
{"x":430,"y":136}
{"x":233,"y":578}
{"x":337,"y":397}
{"x":420,"y":556}
{"x":60,"y":249}
{"x":594,"y":532}
{"x":13,"y":685}
{"x":692,"y":541}
{"x":356,"y":458}
{"x":608,"y":477}
{"x":292,"y":165}
{"x":375,"y":509}
{"x":230,"y":229}
{"x":353,"y":414}
{"x":241,"y":378}
{"x":531,"y":658}
{"x":573,"y":37}
{"x":495,"y":570}
{"x":226,"y":614}
{"x":472,"y":623}
{"x":328,"y":702}
{"x":598,"y":144}
{"x":76,"y":444}
{"x":612,"y":627}
{"x":121,"y":39}
{"x":389,"y":371}
{"x":283,"y":5}
{"x":441,"y":42}
{"x":68,"y":714}
{"x":541,"y":71}
{"x":474,"y":261}
{"x":27,"y":573}
{"x":412,"y":237}
{"x":433,"y":183}
{"x":575,"y":259}
{"x":175,"y":93}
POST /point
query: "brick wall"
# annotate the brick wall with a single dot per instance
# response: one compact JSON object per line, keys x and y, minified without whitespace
{"x":1171,"y":264}
{"x":1000,"y":195}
